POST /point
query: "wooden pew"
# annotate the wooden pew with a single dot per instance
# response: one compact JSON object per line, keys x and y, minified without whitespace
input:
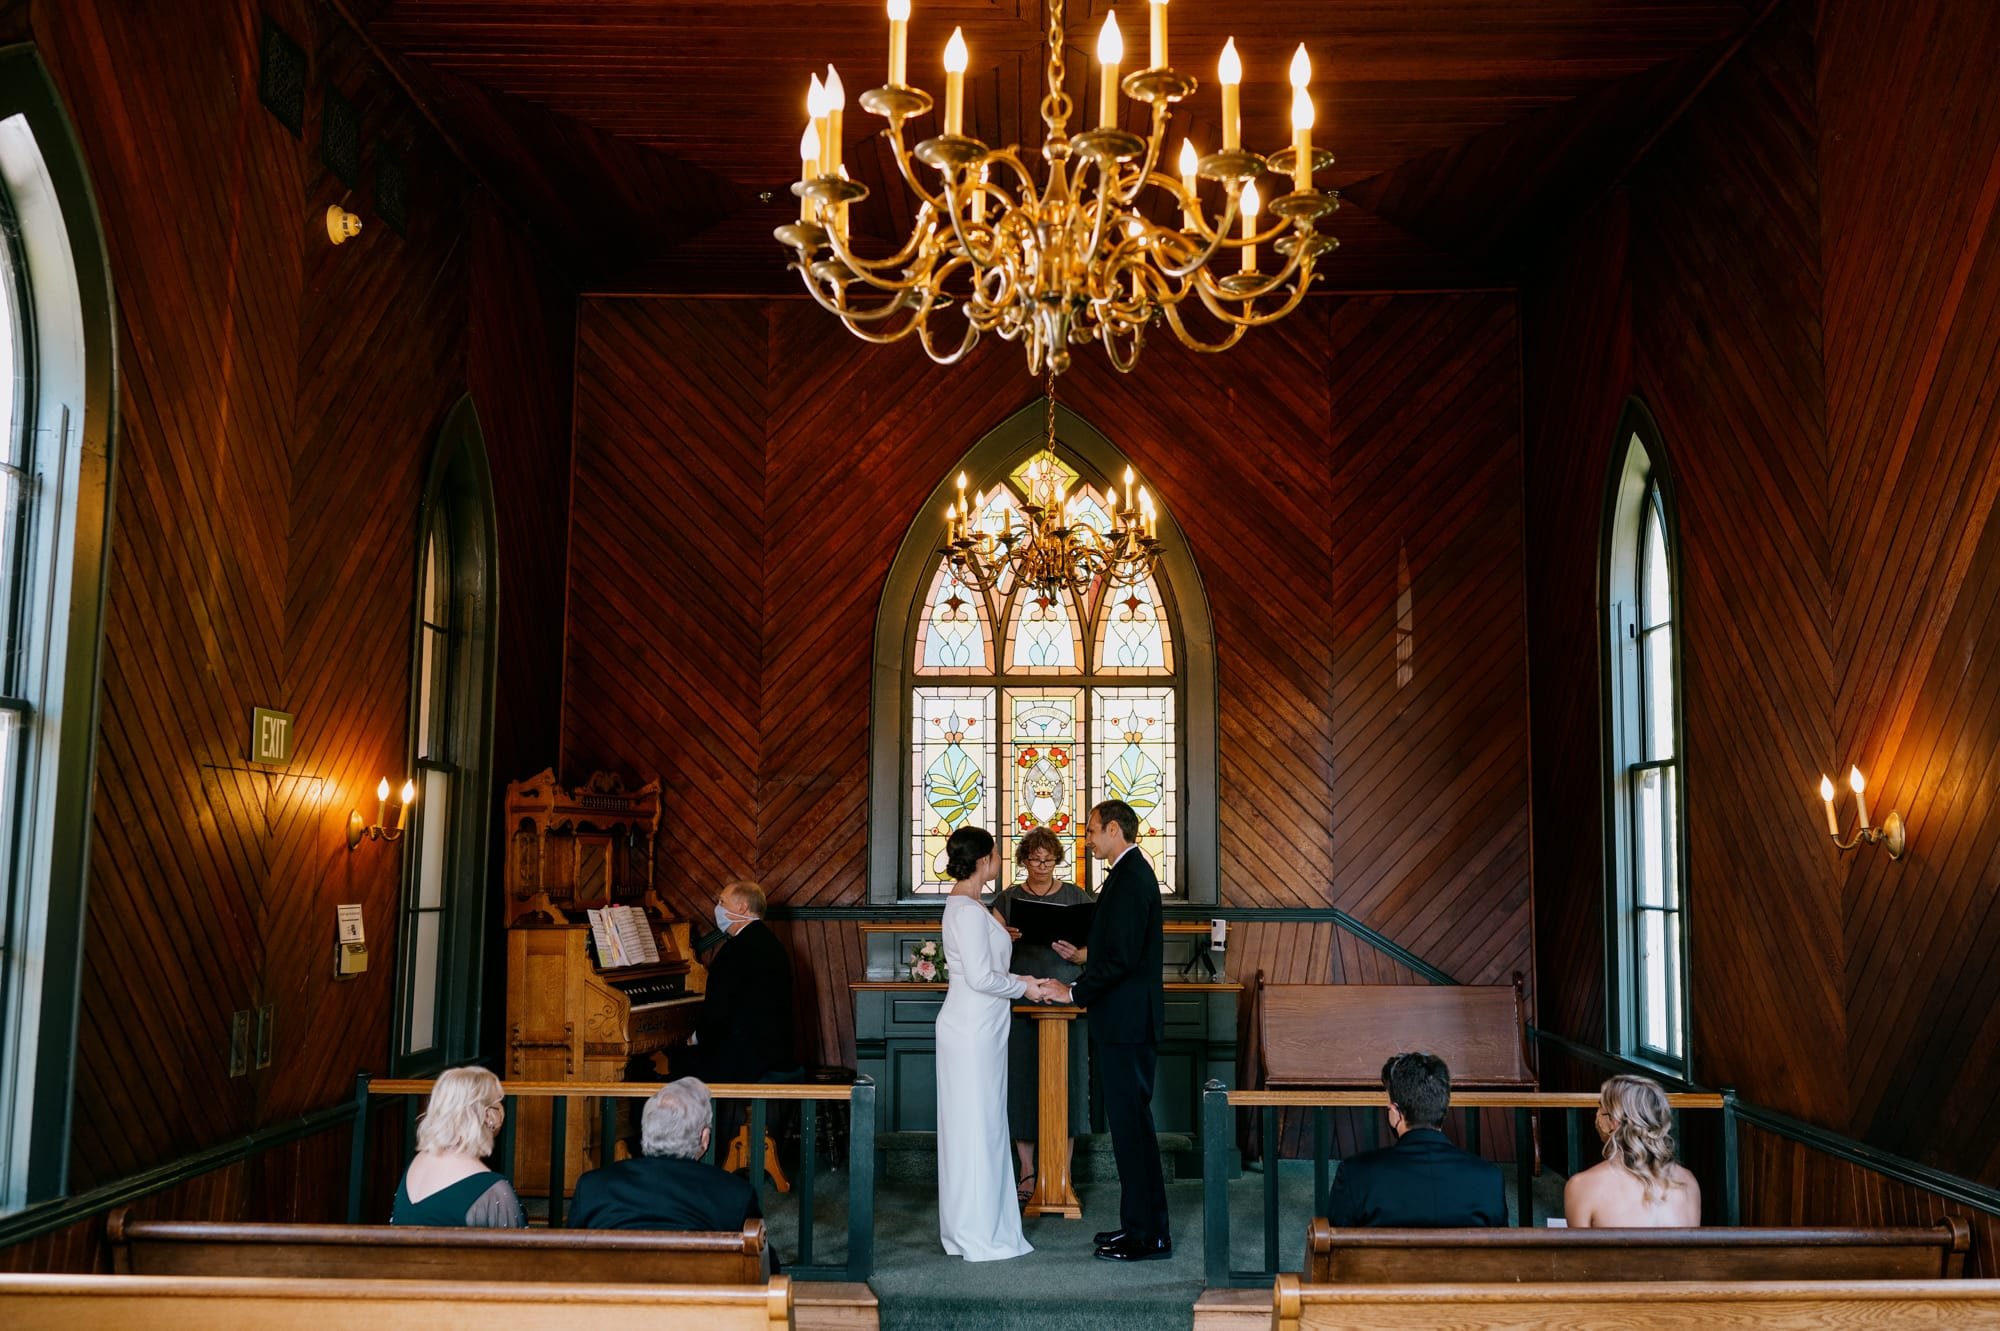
{"x":203,"y":1303}
{"x":1628,"y":1306}
{"x":1335,"y":1037}
{"x":1351,"y":1257}
{"x":400,"y":1252}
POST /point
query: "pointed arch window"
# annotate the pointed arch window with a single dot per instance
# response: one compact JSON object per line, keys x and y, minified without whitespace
{"x":1025,"y":707}
{"x":1646,"y":942}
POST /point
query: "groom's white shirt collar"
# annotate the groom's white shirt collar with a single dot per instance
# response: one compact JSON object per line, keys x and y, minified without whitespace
{"x":1119,"y":856}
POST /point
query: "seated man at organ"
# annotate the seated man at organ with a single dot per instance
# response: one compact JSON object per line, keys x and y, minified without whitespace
{"x":744,"y":1030}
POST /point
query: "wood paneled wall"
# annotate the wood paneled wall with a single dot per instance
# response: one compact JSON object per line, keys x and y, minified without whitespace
{"x":1801,"y":281}
{"x":279,"y":405}
{"x":745,"y":472}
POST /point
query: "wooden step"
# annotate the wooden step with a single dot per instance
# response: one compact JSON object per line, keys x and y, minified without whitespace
{"x":827,"y":1305}
{"x":1230,"y":1310}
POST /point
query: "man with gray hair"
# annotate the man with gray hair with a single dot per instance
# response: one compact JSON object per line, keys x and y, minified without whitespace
{"x":670,"y":1186}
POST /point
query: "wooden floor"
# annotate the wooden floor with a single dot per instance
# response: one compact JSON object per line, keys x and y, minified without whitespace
{"x":835,"y":1306}
{"x":1233,"y":1310}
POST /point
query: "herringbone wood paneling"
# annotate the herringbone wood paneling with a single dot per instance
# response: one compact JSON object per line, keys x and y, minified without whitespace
{"x":1801,"y":281}
{"x":279,"y":403}
{"x":745,"y":473}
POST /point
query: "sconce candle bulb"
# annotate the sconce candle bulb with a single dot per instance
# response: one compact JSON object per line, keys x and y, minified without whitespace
{"x":1891,"y":835}
{"x":359,"y":829}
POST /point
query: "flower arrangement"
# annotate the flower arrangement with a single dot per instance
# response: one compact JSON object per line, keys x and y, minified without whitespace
{"x":927,"y":962}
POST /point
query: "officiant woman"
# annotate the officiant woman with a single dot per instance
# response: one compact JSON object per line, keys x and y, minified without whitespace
{"x":1040,"y":854}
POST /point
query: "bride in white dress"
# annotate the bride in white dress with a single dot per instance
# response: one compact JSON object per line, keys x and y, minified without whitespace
{"x":978,"y":1218}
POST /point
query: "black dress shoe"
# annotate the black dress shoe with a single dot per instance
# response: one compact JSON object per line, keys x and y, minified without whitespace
{"x":1129,"y":1249}
{"x":1105,"y":1236}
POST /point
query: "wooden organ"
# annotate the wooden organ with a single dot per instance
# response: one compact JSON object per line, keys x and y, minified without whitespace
{"x":570,"y":1017}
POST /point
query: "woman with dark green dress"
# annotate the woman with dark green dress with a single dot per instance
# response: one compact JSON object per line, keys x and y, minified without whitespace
{"x":1039,"y":854}
{"x":448,"y":1183}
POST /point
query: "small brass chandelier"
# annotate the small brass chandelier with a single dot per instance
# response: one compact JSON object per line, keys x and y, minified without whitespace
{"x":1075,"y":258}
{"x":1060,"y":543}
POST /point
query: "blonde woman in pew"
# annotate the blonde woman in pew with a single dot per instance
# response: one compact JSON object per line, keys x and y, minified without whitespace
{"x":448,"y":1183}
{"x":1639,"y":1185}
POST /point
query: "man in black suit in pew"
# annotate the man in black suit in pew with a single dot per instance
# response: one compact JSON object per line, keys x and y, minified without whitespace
{"x":1423,"y":1181}
{"x":1122,"y":986}
{"x":670,"y":1186}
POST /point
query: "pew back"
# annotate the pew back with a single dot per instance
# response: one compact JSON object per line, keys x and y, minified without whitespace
{"x":1348,"y":1257}
{"x":402,"y":1252}
{"x":212,"y":1303}
{"x":1336,"y":1036}
{"x":1764,"y":1305}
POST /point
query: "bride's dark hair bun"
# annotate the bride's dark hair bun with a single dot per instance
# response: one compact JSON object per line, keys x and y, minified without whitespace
{"x":964,"y":850}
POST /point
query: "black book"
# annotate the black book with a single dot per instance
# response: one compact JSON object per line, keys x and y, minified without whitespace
{"x":1045,"y":921}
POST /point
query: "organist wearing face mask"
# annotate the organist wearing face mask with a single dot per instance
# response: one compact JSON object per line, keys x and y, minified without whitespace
{"x":744,"y":1032}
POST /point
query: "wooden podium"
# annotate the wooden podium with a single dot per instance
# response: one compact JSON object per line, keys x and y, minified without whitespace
{"x":1054,"y":1194}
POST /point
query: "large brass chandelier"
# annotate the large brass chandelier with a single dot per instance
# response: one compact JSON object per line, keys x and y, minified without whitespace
{"x":1077,"y":257}
{"x":1062,"y":542}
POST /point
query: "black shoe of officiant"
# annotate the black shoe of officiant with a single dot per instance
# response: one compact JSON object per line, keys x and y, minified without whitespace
{"x":1129,"y":1249}
{"x":1108,"y":1236}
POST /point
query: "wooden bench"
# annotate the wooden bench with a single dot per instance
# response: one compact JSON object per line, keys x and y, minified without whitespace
{"x":1335,"y":1037}
{"x":1619,"y":1306}
{"x":408,"y":1252}
{"x":1349,"y":1257}
{"x":205,"y":1303}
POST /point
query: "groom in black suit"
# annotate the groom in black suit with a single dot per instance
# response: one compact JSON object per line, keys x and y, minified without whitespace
{"x":1121,"y":985}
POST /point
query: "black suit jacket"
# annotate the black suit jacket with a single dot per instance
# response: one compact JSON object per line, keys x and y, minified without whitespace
{"x":745,"y":1027}
{"x":1422,"y":1182}
{"x":1121,"y":983}
{"x":655,"y":1192}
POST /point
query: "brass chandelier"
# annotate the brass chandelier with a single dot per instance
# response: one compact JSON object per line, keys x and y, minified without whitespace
{"x":1063,"y":542}
{"x":1077,"y":257}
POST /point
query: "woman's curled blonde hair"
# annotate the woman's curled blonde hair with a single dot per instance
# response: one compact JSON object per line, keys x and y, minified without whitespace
{"x":455,"y":1119}
{"x":1641,"y":1139}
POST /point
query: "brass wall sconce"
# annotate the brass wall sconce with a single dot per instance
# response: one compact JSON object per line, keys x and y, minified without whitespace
{"x":1889,"y":835}
{"x":341,"y":225}
{"x":358,"y":828}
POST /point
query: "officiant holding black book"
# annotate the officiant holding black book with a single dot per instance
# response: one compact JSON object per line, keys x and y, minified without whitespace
{"x":1040,"y":854}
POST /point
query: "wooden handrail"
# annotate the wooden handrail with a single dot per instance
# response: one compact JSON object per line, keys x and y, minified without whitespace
{"x":1459,"y":1099}
{"x":632,"y":1090}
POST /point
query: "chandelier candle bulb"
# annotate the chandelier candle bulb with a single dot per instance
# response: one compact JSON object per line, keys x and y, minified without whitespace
{"x":816,"y":108}
{"x":956,"y":58}
{"x":1229,"y":73}
{"x":1190,"y":164}
{"x":1110,"y":50}
{"x":1251,"y":205}
{"x":836,"y":110}
{"x":1858,"y":784}
{"x":1302,"y":123}
{"x":808,"y":167}
{"x":899,"y":42}
{"x":979,"y":196}
{"x":1826,"y":796}
{"x":1159,"y":16}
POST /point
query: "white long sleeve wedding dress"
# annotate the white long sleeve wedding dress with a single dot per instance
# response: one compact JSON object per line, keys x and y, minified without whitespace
{"x":977,"y":1215}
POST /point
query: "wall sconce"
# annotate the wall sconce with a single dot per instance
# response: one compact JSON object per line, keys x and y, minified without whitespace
{"x":358,"y":828}
{"x":1889,"y":835}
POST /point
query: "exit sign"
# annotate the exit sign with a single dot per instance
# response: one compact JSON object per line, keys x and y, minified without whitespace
{"x":270,"y":736}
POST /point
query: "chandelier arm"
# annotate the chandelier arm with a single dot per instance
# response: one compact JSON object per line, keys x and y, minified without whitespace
{"x":1193,"y":343}
{"x":866,"y":269}
{"x":841,"y":310}
{"x":966,"y":343}
{"x":957,"y":216}
{"x":1129,"y":187}
{"x":904,"y":165}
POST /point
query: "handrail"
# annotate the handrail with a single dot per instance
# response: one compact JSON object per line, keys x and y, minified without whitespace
{"x":32,"y":1222}
{"x":859,"y":1096}
{"x":1459,"y":1099}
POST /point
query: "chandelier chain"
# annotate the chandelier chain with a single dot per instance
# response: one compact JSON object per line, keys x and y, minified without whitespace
{"x":1056,"y":105}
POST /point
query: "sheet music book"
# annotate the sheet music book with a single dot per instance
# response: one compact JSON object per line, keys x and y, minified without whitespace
{"x":1045,"y":921}
{"x":623,"y":937}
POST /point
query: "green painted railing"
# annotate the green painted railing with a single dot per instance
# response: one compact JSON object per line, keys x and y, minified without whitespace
{"x":859,"y":1098}
{"x":1220,"y":1105}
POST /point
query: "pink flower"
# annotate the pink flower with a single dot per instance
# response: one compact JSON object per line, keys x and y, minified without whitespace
{"x":926,"y":971}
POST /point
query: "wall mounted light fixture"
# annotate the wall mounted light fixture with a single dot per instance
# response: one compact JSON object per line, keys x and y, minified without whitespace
{"x":359,"y":829}
{"x":341,"y":225}
{"x":1889,"y":835}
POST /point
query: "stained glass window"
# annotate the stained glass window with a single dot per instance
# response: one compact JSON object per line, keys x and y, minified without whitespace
{"x":1134,"y":743}
{"x":953,"y":637}
{"x":953,"y":737}
{"x":1024,"y":708}
{"x":1132,"y":633}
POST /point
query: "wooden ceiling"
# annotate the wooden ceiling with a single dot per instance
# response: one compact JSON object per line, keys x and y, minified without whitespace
{"x":639,"y":136}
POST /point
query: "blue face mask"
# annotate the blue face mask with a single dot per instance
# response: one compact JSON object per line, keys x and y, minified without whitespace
{"x":724,"y":917}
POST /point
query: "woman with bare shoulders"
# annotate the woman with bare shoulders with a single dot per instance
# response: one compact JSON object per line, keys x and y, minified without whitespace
{"x":1639,"y":1185}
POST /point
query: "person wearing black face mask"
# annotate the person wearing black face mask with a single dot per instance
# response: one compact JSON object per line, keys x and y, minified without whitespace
{"x":744,"y":1032}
